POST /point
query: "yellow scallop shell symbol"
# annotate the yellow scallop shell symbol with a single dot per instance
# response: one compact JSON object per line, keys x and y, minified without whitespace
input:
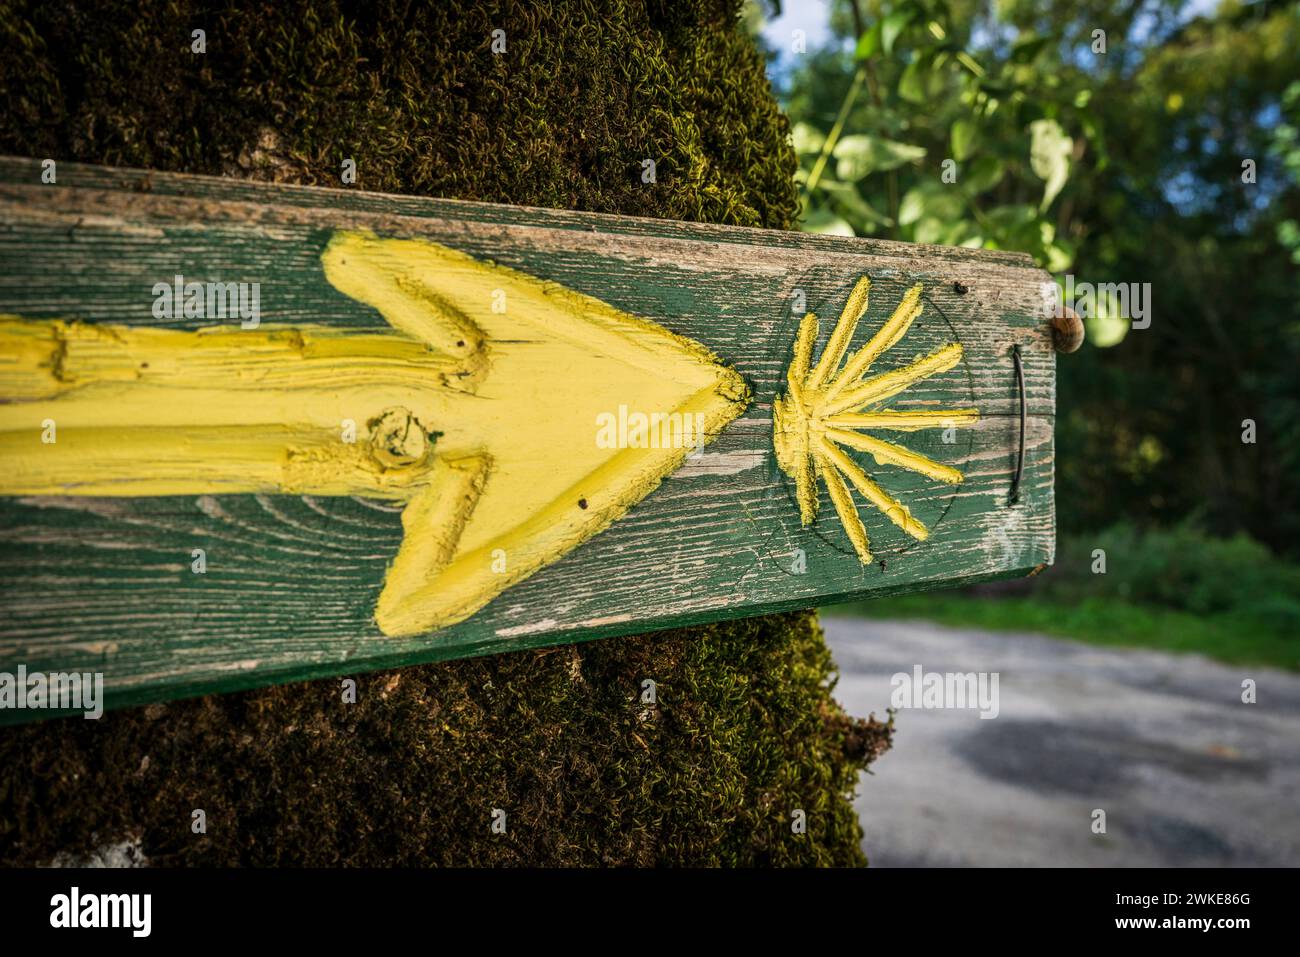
{"x":832,"y":405}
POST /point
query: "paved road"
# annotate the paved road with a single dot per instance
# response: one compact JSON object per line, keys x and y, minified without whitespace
{"x":1186,"y":773}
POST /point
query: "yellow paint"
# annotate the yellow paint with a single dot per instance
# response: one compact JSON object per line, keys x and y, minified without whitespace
{"x":888,"y":384}
{"x":843,"y":502}
{"x":827,"y":407}
{"x":906,"y":421}
{"x":478,"y":411}
{"x":888,"y":453}
{"x":886,"y":336}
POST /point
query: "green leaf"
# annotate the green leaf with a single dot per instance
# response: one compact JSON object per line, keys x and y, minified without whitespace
{"x":1013,"y":216}
{"x":868,"y":43}
{"x":1027,"y":48}
{"x":1060,"y":257}
{"x":1288,"y":234}
{"x":1107,"y":326}
{"x":982,"y":174}
{"x":861,"y":154}
{"x":932,"y":229}
{"x":911,"y":208}
{"x":963,"y":139}
{"x":891,"y":26}
{"x":920,"y":82}
{"x":807,"y":139}
{"x":928,"y":230}
{"x":959,"y":232}
{"x":911,"y":85}
{"x":862,"y":216}
{"x":1049,"y":157}
{"x":822,"y":220}
{"x":1018,"y":226}
{"x":935,"y":200}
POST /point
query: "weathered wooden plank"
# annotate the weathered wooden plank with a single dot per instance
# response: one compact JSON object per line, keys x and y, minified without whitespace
{"x":105,"y":583}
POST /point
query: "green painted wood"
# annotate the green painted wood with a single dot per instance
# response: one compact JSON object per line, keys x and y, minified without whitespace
{"x":104,"y":584}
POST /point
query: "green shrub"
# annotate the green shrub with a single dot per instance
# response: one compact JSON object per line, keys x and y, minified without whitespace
{"x":1181,"y":568}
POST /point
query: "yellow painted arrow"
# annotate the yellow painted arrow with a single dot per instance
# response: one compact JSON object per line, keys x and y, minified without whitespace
{"x":479,"y":411}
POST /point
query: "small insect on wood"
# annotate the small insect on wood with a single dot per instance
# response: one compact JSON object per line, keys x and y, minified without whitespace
{"x":397,"y":430}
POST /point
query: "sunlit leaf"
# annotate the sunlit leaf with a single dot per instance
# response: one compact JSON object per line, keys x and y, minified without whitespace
{"x":1107,"y":326}
{"x":891,"y":26}
{"x":911,"y":208}
{"x":942,"y":232}
{"x":807,"y":139}
{"x":848,"y":201}
{"x":928,"y":230}
{"x":861,"y":154}
{"x":868,"y":43}
{"x":963,"y":139}
{"x":937,"y":200}
{"x":1049,"y":157}
{"x":822,"y":220}
{"x":1060,"y":257}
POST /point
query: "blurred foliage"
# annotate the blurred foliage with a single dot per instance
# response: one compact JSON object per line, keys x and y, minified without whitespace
{"x":1180,"y":568}
{"x":917,"y":133}
{"x":1122,"y":166}
{"x":1168,"y":589}
{"x":1286,"y":149}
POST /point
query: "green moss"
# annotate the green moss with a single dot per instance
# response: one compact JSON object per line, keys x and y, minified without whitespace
{"x":413,"y":92}
{"x":742,"y":734}
{"x":745,"y":730}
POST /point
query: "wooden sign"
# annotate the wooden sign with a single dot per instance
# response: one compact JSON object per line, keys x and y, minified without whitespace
{"x":255,"y":433}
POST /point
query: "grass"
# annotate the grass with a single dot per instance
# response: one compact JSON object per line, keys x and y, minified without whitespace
{"x":1234,"y":637}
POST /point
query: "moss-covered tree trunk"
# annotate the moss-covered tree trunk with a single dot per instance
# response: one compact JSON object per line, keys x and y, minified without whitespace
{"x":744,"y":730}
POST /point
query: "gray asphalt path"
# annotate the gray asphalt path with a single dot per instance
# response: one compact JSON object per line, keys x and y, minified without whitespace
{"x":1186,"y":773}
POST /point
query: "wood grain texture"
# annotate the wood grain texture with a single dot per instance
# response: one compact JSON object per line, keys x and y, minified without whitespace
{"x":105,"y":584}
